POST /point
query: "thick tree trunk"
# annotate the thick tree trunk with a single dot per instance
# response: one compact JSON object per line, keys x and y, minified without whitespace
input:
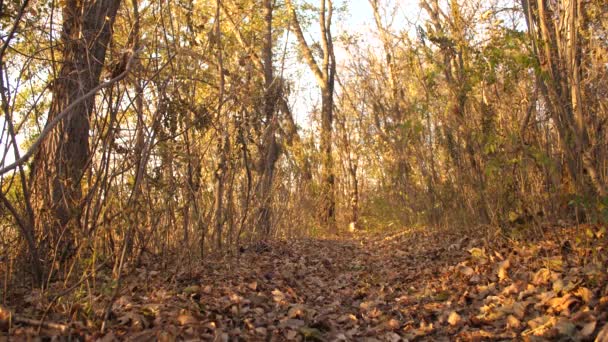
{"x":61,"y":162}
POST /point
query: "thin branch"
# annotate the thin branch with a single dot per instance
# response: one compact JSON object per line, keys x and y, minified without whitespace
{"x":51,"y":125}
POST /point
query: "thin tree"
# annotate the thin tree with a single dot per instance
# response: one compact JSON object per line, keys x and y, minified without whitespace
{"x":325,"y":78}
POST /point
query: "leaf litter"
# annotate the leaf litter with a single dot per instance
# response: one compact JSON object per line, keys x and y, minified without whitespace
{"x":413,"y":285}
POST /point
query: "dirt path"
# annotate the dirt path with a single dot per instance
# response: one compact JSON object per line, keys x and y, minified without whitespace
{"x":407,"y":286}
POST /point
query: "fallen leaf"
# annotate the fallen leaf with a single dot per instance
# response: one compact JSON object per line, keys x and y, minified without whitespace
{"x":392,"y":337}
{"x":602,"y":336}
{"x":293,"y":323}
{"x":558,"y":286}
{"x":584,"y":293}
{"x":503,"y":269}
{"x":291,"y":334}
{"x":165,"y":336}
{"x":192,"y":289}
{"x":5,"y":318}
{"x":467,"y":271}
{"x":392,"y":324}
{"x":134,"y":320}
{"x":477,"y":253}
{"x":186,"y":319}
{"x":542,"y":277}
{"x":278,"y":296}
{"x":454,"y":319}
{"x":519,"y":309}
{"x":311,"y":334}
{"x":565,"y":327}
{"x":588,"y":329}
{"x":347,"y":318}
{"x":513,"y":322}
{"x":261,"y":331}
{"x":296,"y":311}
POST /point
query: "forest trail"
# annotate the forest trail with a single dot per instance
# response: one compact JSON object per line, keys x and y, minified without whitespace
{"x":367,"y":287}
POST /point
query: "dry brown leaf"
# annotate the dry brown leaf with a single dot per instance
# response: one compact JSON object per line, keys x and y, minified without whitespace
{"x":186,"y":319}
{"x":134,"y":320}
{"x":392,"y":337}
{"x":291,"y":334}
{"x":558,"y":286}
{"x":466,"y":271}
{"x":513,"y":322}
{"x":296,"y":311}
{"x":514,"y":288}
{"x":539,"y":326}
{"x":5,"y":318}
{"x":542,"y":277}
{"x":165,"y":336}
{"x":392,"y":324}
{"x":588,"y":329}
{"x":261,"y":331}
{"x":562,"y":304}
{"x":602,"y":336}
{"x":365,"y":306}
{"x":503,"y":270}
{"x":109,"y":337}
{"x":293,"y":323}
{"x":519,"y":309}
{"x":475,"y":279}
{"x":347,"y":318}
{"x":278,"y":296}
{"x":584,"y":293}
{"x":565,"y":327}
{"x":454,"y":319}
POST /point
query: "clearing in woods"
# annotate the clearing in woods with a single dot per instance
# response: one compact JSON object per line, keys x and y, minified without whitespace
{"x":409,"y":285}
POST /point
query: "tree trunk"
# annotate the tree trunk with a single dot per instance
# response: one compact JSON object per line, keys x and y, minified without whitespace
{"x":325,"y":77}
{"x":555,"y":30}
{"x":271,"y":151}
{"x":223,"y":144}
{"x":62,"y":160}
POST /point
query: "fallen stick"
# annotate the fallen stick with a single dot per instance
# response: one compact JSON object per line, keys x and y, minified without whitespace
{"x":7,"y":319}
{"x":38,"y":323}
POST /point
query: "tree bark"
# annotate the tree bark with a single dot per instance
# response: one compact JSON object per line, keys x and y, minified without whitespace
{"x":270,"y":153}
{"x":62,"y":160}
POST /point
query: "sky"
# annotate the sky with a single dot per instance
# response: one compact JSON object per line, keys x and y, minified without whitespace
{"x":358,"y":20}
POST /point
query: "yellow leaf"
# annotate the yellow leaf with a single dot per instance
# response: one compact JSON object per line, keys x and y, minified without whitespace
{"x":513,"y":322}
{"x":454,"y":318}
{"x":584,"y":293}
{"x":503,"y":269}
{"x":541,"y":277}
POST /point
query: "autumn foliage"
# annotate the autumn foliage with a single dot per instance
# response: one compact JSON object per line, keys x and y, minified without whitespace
{"x":304,"y":170}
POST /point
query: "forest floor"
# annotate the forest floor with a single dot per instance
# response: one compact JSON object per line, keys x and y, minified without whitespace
{"x":409,"y":285}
